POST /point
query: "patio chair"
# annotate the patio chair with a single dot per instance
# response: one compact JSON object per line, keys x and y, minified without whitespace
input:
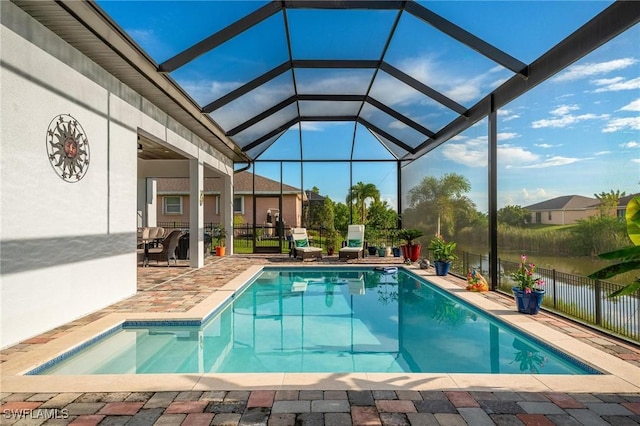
{"x":300,"y":245}
{"x":353,"y":247}
{"x":156,"y":235}
{"x":167,"y":249}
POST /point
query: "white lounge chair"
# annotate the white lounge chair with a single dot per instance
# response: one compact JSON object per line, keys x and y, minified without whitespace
{"x":353,"y":247}
{"x":300,"y":245}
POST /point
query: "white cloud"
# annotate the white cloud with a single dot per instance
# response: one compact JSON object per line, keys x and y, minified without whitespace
{"x":633,"y":106}
{"x":543,"y":145}
{"x":564,"y":109}
{"x":566,"y":120}
{"x":580,"y":71}
{"x":633,"y":84}
{"x":636,"y":160}
{"x":461,"y":89}
{"x":534,"y":195}
{"x":464,"y":92}
{"x":514,"y":156}
{"x":507,"y":115}
{"x":397,"y":124}
{"x":469,"y":154}
{"x":555,"y":162}
{"x":607,"y":81}
{"x":312,"y":126}
{"x":617,"y":124}
{"x":505,"y":136}
{"x":631,"y":144}
{"x":599,"y":153}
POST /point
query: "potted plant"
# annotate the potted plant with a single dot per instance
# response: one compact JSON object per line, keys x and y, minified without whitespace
{"x":331,"y":241}
{"x":527,"y":291}
{"x":410,"y":251}
{"x":372,"y":235}
{"x":443,"y":253}
{"x":220,"y":234}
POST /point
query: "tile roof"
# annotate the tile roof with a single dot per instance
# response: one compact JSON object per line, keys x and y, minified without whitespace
{"x":565,"y":202}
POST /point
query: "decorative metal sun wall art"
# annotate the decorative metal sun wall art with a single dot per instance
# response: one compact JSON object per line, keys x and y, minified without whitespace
{"x":68,"y":148}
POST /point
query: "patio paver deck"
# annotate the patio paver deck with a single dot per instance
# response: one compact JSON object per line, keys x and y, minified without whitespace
{"x":388,"y":401}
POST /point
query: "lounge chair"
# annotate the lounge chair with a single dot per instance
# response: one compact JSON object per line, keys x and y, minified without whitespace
{"x":300,"y":245}
{"x":167,"y":249}
{"x":353,"y":247}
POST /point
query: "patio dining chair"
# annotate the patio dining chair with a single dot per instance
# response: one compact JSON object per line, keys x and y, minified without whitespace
{"x":353,"y":247}
{"x":167,"y":248}
{"x":300,"y":245}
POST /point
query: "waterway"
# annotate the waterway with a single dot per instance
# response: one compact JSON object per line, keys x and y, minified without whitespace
{"x":582,"y":265}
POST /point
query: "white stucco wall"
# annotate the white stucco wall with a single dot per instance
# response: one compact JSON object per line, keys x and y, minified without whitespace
{"x":66,"y":249}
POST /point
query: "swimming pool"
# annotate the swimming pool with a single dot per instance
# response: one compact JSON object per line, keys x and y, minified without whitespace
{"x":346,"y":319}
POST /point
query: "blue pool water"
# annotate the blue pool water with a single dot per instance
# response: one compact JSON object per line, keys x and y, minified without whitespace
{"x":325,"y":320}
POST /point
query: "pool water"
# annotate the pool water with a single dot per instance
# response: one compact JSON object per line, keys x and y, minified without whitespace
{"x":326,"y":320}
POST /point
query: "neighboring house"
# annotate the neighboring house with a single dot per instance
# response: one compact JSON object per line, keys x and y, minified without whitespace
{"x":173,"y":200}
{"x":564,"y":210}
{"x":622,"y":204}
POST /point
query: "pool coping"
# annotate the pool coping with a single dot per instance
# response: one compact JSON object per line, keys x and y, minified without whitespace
{"x":619,"y":376}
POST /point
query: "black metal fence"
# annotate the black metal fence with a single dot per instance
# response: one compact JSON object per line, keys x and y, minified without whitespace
{"x":575,"y":296}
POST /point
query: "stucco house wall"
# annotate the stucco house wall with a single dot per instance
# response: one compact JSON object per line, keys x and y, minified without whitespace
{"x":563,"y":217}
{"x":269,"y":191}
{"x":67,"y":249}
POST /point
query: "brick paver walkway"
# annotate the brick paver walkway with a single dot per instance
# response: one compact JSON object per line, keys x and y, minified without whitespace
{"x":178,"y":289}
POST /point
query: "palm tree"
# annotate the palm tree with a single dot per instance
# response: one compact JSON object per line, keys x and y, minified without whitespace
{"x":609,"y":201}
{"x":359,"y":193}
{"x":444,"y":194}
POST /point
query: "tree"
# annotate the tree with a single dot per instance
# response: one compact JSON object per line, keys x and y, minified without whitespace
{"x":327,"y":214}
{"x":443,"y":196}
{"x":609,"y":202}
{"x":359,"y":194}
{"x":381,"y":215}
{"x":341,"y":217}
{"x":514,"y":216}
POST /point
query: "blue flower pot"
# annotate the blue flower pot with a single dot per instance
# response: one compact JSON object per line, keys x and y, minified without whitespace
{"x":442,"y":268}
{"x":528,"y":303}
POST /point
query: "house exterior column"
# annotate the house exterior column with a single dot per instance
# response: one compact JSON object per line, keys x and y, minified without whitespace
{"x":226,"y":210}
{"x":151,"y":205}
{"x":196,"y":213}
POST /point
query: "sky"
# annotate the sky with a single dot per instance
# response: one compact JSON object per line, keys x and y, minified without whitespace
{"x":578,"y":133}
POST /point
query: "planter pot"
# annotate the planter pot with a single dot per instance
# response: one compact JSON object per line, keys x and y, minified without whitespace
{"x":220,"y":251}
{"x":382,"y":251}
{"x":528,"y":303}
{"x":442,"y":268}
{"x":410,"y":252}
{"x":396,"y":252}
{"x":373,"y":250}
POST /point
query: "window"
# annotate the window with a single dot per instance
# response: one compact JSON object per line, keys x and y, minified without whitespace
{"x":538,"y":217}
{"x":172,"y":205}
{"x":238,"y":204}
{"x":549,"y":216}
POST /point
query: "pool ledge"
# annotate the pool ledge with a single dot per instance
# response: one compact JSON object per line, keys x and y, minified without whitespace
{"x":619,"y":376}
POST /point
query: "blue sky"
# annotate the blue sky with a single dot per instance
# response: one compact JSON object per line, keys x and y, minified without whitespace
{"x":578,"y":133}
